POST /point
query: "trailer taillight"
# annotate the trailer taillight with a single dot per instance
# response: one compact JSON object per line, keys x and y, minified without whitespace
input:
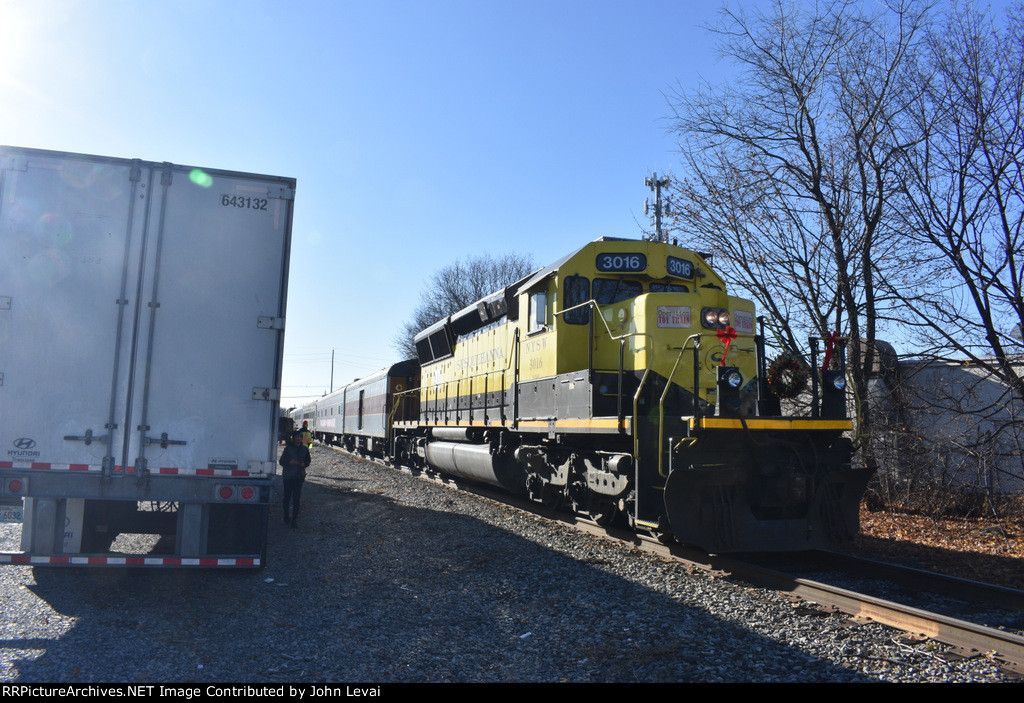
{"x":236,"y":493}
{"x":14,"y":487}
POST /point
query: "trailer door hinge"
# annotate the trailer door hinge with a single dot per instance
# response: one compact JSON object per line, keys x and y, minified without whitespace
{"x":266,"y":393}
{"x":267,"y":322}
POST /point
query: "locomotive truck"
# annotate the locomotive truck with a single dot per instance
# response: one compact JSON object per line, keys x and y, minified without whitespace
{"x":142,"y":311}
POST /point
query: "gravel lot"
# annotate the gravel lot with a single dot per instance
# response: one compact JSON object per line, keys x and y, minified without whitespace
{"x":392,"y":579}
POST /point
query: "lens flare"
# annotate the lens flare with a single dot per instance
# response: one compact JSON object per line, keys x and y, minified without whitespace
{"x":53,"y":230}
{"x":200,"y":178}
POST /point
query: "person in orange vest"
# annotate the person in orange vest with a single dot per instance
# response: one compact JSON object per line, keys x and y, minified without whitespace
{"x":307,"y":435}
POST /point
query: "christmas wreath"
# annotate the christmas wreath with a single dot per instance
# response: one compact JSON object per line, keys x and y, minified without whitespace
{"x":787,"y":375}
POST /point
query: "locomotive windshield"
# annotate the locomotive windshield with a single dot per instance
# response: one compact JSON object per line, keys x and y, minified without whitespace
{"x":669,"y":288}
{"x":614,"y":290}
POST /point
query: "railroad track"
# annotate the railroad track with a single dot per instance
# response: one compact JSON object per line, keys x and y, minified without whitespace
{"x":983,"y":595}
{"x":969,"y":639}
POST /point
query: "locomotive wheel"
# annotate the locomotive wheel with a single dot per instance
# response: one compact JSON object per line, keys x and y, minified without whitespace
{"x":603,"y":512}
{"x":663,"y":537}
{"x":599,"y":509}
{"x":552,"y":497}
{"x":542,"y":492}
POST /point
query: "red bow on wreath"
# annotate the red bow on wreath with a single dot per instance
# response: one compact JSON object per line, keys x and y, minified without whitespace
{"x":725,"y":337}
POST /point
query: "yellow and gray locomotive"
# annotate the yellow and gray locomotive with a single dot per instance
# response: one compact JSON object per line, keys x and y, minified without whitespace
{"x":624,"y":382}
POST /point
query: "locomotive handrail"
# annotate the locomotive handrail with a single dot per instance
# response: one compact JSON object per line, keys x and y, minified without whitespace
{"x":664,"y":393}
{"x":591,"y":304}
{"x":434,"y":386}
{"x":399,"y":402}
{"x":621,"y":339}
{"x":643,"y":380}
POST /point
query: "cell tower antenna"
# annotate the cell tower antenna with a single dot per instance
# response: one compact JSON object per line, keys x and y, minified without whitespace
{"x":656,"y":185}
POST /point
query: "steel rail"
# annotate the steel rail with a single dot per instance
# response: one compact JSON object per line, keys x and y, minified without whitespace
{"x":983,"y":594}
{"x":971,"y":639}
{"x":1006,"y":648}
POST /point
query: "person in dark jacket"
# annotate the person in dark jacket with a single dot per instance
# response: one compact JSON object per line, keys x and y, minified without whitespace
{"x":294,"y":460}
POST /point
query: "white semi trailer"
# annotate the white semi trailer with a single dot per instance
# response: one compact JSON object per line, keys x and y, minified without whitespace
{"x":142,"y":315}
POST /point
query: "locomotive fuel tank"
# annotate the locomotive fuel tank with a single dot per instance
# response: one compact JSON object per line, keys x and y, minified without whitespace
{"x":476,"y":462}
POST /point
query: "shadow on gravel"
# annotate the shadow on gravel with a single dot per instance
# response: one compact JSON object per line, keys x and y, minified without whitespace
{"x":392,"y":589}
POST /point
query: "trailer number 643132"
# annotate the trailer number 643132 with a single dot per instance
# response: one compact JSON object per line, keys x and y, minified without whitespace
{"x":244,"y":201}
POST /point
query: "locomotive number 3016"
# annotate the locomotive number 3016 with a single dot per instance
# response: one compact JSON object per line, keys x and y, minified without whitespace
{"x":621,"y":262}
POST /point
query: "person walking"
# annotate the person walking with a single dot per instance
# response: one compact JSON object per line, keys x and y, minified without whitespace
{"x":294,"y":460}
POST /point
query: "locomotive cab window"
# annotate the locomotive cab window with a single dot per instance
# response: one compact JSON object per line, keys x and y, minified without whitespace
{"x":614,"y":290}
{"x":538,"y":319}
{"x":577,"y":292}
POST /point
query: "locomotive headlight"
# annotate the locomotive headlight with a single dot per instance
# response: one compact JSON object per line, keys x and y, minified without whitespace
{"x":833,"y":397}
{"x":723,"y":318}
{"x":710,"y":317}
{"x":729,"y":403}
{"x":734,"y":379}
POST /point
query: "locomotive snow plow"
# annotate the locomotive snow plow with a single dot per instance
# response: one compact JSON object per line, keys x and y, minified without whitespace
{"x":763,"y":485}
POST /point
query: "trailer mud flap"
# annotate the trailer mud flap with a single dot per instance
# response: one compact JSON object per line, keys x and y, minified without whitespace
{"x":712,"y":508}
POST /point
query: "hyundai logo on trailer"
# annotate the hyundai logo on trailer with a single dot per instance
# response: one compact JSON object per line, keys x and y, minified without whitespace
{"x":23,"y":448}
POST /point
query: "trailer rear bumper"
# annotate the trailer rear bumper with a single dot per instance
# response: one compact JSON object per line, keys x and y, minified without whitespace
{"x":86,"y":519}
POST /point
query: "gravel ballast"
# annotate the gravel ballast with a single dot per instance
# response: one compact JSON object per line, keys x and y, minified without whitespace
{"x":389,"y":578}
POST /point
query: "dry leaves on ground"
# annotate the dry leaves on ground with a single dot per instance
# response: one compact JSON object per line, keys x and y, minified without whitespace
{"x":978,"y":549}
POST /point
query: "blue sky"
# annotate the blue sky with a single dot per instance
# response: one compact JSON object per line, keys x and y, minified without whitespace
{"x":419,"y":132}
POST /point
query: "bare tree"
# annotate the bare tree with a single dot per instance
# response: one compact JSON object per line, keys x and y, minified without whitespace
{"x":792,"y":167}
{"x":964,"y":187}
{"x":458,"y":285}
{"x":866,"y":174}
{"x":965,"y":182}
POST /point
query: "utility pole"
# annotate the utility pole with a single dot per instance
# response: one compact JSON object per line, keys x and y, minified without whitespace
{"x":332,"y":372}
{"x":656,"y":185}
